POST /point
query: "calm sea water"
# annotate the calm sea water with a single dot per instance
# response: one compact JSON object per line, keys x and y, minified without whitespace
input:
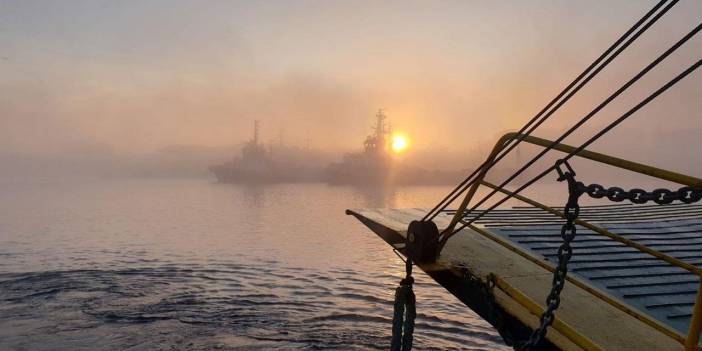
{"x":195,"y":265}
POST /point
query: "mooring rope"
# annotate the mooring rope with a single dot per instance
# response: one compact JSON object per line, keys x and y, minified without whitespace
{"x":404,"y":313}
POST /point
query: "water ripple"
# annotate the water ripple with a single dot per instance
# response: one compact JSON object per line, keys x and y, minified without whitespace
{"x":189,"y":265}
{"x":274,"y":311}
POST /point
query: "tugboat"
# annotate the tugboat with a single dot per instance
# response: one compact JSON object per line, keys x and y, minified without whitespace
{"x":379,"y":165}
{"x":374,"y":166}
{"x":257,"y":165}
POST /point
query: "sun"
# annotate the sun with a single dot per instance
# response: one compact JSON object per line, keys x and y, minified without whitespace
{"x":399,"y":143}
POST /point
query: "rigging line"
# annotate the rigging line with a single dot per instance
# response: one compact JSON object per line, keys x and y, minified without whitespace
{"x":460,"y":188}
{"x":614,"y":95}
{"x":488,"y":164}
{"x":599,"y":134}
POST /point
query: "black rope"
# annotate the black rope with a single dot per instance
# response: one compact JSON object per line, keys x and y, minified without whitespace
{"x":405,"y":312}
{"x":521,"y":135}
{"x":609,"y":99}
{"x":602,"y":132}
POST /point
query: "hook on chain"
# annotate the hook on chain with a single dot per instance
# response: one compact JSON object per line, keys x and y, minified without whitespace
{"x":565,"y":252}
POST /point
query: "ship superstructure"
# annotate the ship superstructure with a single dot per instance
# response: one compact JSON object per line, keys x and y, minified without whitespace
{"x":374,"y":165}
{"x":257,"y":164}
{"x":377,"y":164}
{"x":378,"y":143}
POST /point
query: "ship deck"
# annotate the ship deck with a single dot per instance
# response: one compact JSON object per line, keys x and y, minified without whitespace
{"x":616,"y":297}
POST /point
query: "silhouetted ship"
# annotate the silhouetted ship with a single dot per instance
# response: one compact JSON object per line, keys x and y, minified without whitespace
{"x":258,"y":165}
{"x":377,"y":165}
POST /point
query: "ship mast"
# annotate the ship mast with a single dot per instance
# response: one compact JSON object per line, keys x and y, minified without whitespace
{"x":380,"y":132}
{"x":378,"y":142}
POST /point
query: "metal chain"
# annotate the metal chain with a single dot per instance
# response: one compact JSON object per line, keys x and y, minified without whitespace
{"x":571,"y":211}
{"x":686,"y":194}
{"x":565,"y":251}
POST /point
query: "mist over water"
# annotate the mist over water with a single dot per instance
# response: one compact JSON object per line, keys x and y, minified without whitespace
{"x":116,"y":87}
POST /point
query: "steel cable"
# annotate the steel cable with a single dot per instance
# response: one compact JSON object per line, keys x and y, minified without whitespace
{"x":468,"y":181}
{"x":609,"y":99}
{"x":599,"y":134}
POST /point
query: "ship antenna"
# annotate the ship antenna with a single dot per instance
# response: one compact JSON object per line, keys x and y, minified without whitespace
{"x":381,"y":121}
{"x":380,"y":130}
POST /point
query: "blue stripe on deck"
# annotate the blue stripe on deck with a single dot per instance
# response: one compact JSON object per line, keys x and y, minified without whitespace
{"x":659,"y":289}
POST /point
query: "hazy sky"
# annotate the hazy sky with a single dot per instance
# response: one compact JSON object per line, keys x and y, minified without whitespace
{"x":141,"y":75}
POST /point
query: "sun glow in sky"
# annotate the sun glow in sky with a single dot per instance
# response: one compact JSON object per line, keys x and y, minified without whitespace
{"x":126,"y":78}
{"x":399,"y":143}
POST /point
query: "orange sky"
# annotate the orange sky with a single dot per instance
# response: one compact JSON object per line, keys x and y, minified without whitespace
{"x":138,"y":76}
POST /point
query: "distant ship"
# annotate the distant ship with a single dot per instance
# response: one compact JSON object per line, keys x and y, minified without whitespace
{"x":377,"y":165}
{"x":258,"y":165}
